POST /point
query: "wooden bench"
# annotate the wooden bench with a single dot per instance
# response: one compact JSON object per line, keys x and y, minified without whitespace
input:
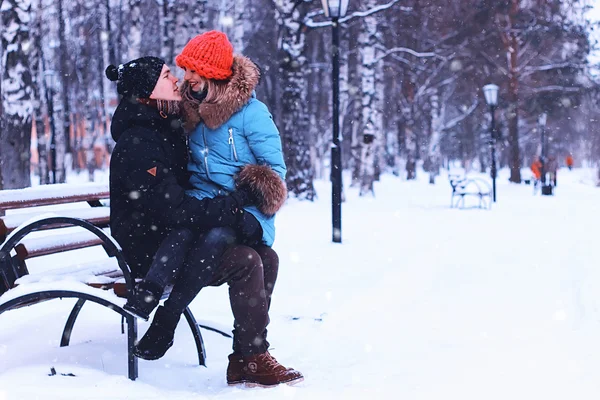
{"x":78,"y":226}
{"x":470,"y":187}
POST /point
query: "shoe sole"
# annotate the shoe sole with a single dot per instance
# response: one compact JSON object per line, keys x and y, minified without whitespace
{"x":144,"y":357}
{"x":133,"y":312}
{"x":254,"y":384}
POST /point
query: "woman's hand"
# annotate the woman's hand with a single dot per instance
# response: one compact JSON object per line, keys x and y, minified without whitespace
{"x":263,"y":186}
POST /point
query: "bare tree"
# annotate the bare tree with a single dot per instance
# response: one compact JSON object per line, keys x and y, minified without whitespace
{"x":371,"y":79}
{"x":294,"y":121}
{"x":17,"y":108}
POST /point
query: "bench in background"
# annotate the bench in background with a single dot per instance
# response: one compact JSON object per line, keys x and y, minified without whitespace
{"x":470,"y":187}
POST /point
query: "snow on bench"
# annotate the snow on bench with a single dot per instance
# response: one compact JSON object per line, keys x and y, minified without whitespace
{"x":99,"y":272}
{"x":96,"y":215}
{"x":78,"y":287}
{"x":75,"y":238}
{"x":52,"y":194}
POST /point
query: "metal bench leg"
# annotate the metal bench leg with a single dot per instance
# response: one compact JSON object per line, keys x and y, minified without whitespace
{"x":66,"y":336}
{"x":197,"y":336}
{"x":132,"y":361}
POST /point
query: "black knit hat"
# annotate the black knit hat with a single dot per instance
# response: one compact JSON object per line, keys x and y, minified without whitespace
{"x":136,"y":78}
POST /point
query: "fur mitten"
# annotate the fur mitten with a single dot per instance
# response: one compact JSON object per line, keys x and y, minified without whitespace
{"x":264,"y":186}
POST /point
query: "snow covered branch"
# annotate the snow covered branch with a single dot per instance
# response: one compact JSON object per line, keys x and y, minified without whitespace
{"x":312,"y":24}
{"x":455,"y":121}
{"x":555,"y":88}
{"x":494,"y":63}
{"x":405,"y":50}
{"x":531,"y":70}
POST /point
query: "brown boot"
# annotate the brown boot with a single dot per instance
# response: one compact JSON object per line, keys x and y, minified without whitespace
{"x":260,"y":370}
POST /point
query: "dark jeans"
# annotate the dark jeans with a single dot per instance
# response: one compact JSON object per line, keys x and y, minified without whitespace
{"x":169,"y":258}
{"x":251,"y":273}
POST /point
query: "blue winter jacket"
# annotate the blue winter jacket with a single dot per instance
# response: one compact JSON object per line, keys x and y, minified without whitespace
{"x":221,"y":144}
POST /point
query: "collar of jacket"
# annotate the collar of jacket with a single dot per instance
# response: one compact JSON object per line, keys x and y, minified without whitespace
{"x":238,"y":92}
{"x":130,"y":113}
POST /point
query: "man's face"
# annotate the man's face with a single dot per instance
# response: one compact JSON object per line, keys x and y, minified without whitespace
{"x":166,"y":87}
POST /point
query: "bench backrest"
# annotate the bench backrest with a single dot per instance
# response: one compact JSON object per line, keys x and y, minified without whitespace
{"x":51,"y":195}
{"x":61,"y":241}
{"x":91,"y":193}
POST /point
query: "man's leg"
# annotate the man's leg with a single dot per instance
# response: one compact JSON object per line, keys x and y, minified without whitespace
{"x":166,"y":265}
{"x":197,"y":271}
{"x":169,"y":258}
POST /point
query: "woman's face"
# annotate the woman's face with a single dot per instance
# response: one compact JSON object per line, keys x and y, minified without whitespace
{"x":196,"y":82}
{"x":166,"y":87}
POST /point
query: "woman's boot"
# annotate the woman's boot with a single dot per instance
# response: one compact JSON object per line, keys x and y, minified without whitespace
{"x":259,"y":370}
{"x":159,"y":337}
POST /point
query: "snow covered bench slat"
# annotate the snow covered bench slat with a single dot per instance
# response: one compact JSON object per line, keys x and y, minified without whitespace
{"x":52,"y":194}
{"x":70,"y":240}
{"x":99,"y":216}
{"x":102,"y":271}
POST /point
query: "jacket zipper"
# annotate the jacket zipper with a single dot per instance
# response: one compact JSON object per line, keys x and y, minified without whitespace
{"x":232,"y":144}
{"x":205,"y":152}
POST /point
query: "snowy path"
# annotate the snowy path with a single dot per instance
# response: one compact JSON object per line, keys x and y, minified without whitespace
{"x":420,"y":302}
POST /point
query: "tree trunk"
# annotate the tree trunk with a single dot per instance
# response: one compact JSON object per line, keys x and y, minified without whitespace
{"x":135,"y":30}
{"x":371,"y":103}
{"x":17,"y":108}
{"x":513,"y":96}
{"x":410,"y":139}
{"x":112,"y":52}
{"x":410,"y":145}
{"x":231,"y":21}
{"x":38,"y":105}
{"x":65,"y":79}
{"x":434,"y":155}
{"x":199,"y":20}
{"x":294,"y":112}
{"x":168,"y":28}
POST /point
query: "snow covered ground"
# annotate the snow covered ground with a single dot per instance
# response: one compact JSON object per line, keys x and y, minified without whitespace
{"x":420,"y":302}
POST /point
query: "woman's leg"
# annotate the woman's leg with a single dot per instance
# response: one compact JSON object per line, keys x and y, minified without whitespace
{"x":270,"y":261}
{"x":241,"y":267}
{"x":251,"y":363}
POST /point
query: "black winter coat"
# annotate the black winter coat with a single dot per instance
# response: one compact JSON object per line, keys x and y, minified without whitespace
{"x":148,"y":178}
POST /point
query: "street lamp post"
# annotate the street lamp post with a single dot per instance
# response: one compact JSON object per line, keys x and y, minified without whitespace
{"x":49,"y":80}
{"x":336,"y":9}
{"x":542,"y":121}
{"x":491,"y":98}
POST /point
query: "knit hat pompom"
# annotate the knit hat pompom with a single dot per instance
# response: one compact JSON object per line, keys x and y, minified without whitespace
{"x":112,"y":73}
{"x":137,"y":77}
{"x":209,"y":54}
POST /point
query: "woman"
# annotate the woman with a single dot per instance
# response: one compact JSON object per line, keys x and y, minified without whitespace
{"x":231,"y":131}
{"x":149,"y":211}
{"x":235,"y":143}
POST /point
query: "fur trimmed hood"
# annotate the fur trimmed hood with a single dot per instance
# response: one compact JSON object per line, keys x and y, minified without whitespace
{"x":265,"y":187}
{"x":238,"y":92}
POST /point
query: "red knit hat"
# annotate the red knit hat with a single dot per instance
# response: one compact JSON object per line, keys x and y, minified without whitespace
{"x":209,"y":54}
